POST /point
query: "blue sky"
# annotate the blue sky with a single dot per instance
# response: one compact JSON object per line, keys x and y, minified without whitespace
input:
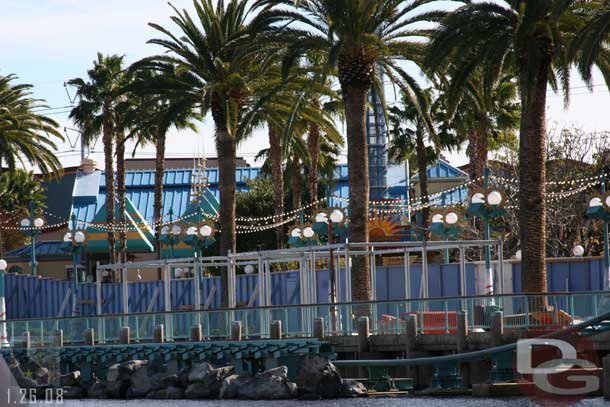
{"x":47,"y":42}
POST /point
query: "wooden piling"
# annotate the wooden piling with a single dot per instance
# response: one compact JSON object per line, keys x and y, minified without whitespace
{"x":275,"y":329}
{"x":461,"y":331}
{"x":411,"y":335}
{"x":196,"y":333}
{"x":90,"y":337}
{"x":159,"y":333}
{"x":318,"y":328}
{"x":26,"y":343}
{"x":363,"y":334}
{"x":497,"y":327}
{"x":236,"y":330}
{"x":125,"y":336}
{"x":606,"y":377}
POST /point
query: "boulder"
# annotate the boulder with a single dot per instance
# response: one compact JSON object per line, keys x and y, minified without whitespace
{"x":206,"y":381}
{"x":98,"y":390}
{"x":23,"y":381}
{"x":41,"y":376}
{"x":353,"y":388}
{"x":318,"y":376}
{"x":126,"y":369}
{"x":269,"y":385}
{"x":168,"y":380}
{"x":171,"y":393}
{"x":69,"y":379}
{"x":117,"y":389}
{"x":183,"y":377}
{"x":230,"y":386}
{"x":72,"y":392}
{"x":113,"y":373}
{"x":141,"y":383}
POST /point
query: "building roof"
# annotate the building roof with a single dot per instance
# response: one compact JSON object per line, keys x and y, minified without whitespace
{"x":441,"y":170}
{"x":44,"y":249}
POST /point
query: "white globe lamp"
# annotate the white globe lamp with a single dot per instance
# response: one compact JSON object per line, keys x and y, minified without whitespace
{"x":321,"y":218}
{"x":308,"y":232}
{"x":191,"y":231}
{"x":451,"y":218}
{"x":205,"y":230}
{"x":438,"y":218}
{"x":176,"y":230}
{"x":478,"y":198}
{"x":249,"y":269}
{"x":38,"y":222}
{"x":3,"y":265}
{"x":578,"y":250}
{"x":494,"y":198}
{"x":296,"y":232}
{"x":68,"y":237}
{"x":25,"y":222}
{"x":79,"y":237}
{"x":336,"y":216}
{"x":595,"y":201}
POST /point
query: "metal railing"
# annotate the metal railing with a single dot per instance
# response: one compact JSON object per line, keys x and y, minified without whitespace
{"x":435,"y":316}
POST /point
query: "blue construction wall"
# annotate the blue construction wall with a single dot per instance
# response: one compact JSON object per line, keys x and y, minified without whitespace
{"x":31,"y":297}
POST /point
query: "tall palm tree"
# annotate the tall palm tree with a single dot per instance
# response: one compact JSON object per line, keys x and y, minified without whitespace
{"x":220,"y":57}
{"x":96,"y":112}
{"x":536,"y":37}
{"x":151,"y":120}
{"x":357,"y":38}
{"x":26,"y":136}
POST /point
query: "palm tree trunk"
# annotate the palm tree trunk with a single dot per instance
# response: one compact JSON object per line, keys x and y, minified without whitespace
{"x":121,"y":190}
{"x":227,"y":163}
{"x":277,"y":175}
{"x":109,"y":175}
{"x":532,"y":161}
{"x":313,"y":144}
{"x":297,"y":183}
{"x":354,"y":99}
{"x":422,"y":170}
{"x":158,"y":195}
{"x":477,"y":151}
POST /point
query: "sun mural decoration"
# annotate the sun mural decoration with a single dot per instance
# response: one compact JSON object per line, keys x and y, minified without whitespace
{"x":384,"y":227}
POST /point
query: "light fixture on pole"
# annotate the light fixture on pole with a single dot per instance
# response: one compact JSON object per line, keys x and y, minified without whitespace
{"x":74,"y":242}
{"x":32,"y":227}
{"x":199,"y":236}
{"x":487,"y":204}
{"x":3,"y":333}
{"x":599,"y":208}
{"x":445,"y":225}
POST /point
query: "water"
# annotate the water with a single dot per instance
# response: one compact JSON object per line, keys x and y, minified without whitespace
{"x":362,"y":402}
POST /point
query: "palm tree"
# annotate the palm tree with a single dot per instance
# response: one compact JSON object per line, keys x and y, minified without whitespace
{"x":411,"y":139}
{"x":223,"y":66}
{"x":95,"y":113}
{"x":357,"y":38}
{"x":487,"y":116}
{"x":536,"y":37}
{"x":25,"y":135}
{"x":155,"y":114}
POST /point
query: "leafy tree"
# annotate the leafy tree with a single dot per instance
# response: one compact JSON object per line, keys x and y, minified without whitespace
{"x":17,"y":189}
{"x":26,"y":137}
{"x":258,"y":201}
{"x":98,"y":112}
{"x":222,"y":60}
{"x":537,"y":39}
{"x":357,"y":38}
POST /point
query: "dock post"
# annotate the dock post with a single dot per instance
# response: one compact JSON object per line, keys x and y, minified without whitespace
{"x":411,"y":335}
{"x":196,"y":333}
{"x":363,"y":334}
{"x":275,"y":329}
{"x":125,"y":338}
{"x":159,"y":334}
{"x":460,"y":344}
{"x":318,"y":328}
{"x":27,"y":343}
{"x":497,"y":327}
{"x":58,"y":338}
{"x":606,"y":377}
{"x":236,"y":330}
{"x":90,"y":337}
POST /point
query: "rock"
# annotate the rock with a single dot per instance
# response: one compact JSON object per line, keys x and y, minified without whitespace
{"x":113,"y":373}
{"x":353,"y":388}
{"x":165,"y":394}
{"x":141,"y":383}
{"x":183,"y":377}
{"x":200,"y":372}
{"x":70,"y":379}
{"x":269,"y":385}
{"x":206,"y":381}
{"x":98,"y":390}
{"x":23,"y":381}
{"x":318,"y":376}
{"x":118,"y":389}
{"x":164,"y":381}
{"x":230,"y":386}
{"x":72,"y":392}
{"x":126,"y":369}
{"x":41,"y":376}
{"x":199,"y":390}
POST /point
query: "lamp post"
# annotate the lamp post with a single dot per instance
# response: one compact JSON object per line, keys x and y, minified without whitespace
{"x":31,"y":226}
{"x":75,"y":241}
{"x":3,"y":334}
{"x":487,"y":204}
{"x":199,"y":236}
{"x":599,"y":208}
{"x":303,"y":235}
{"x":445,"y":226}
{"x":170,"y":236}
